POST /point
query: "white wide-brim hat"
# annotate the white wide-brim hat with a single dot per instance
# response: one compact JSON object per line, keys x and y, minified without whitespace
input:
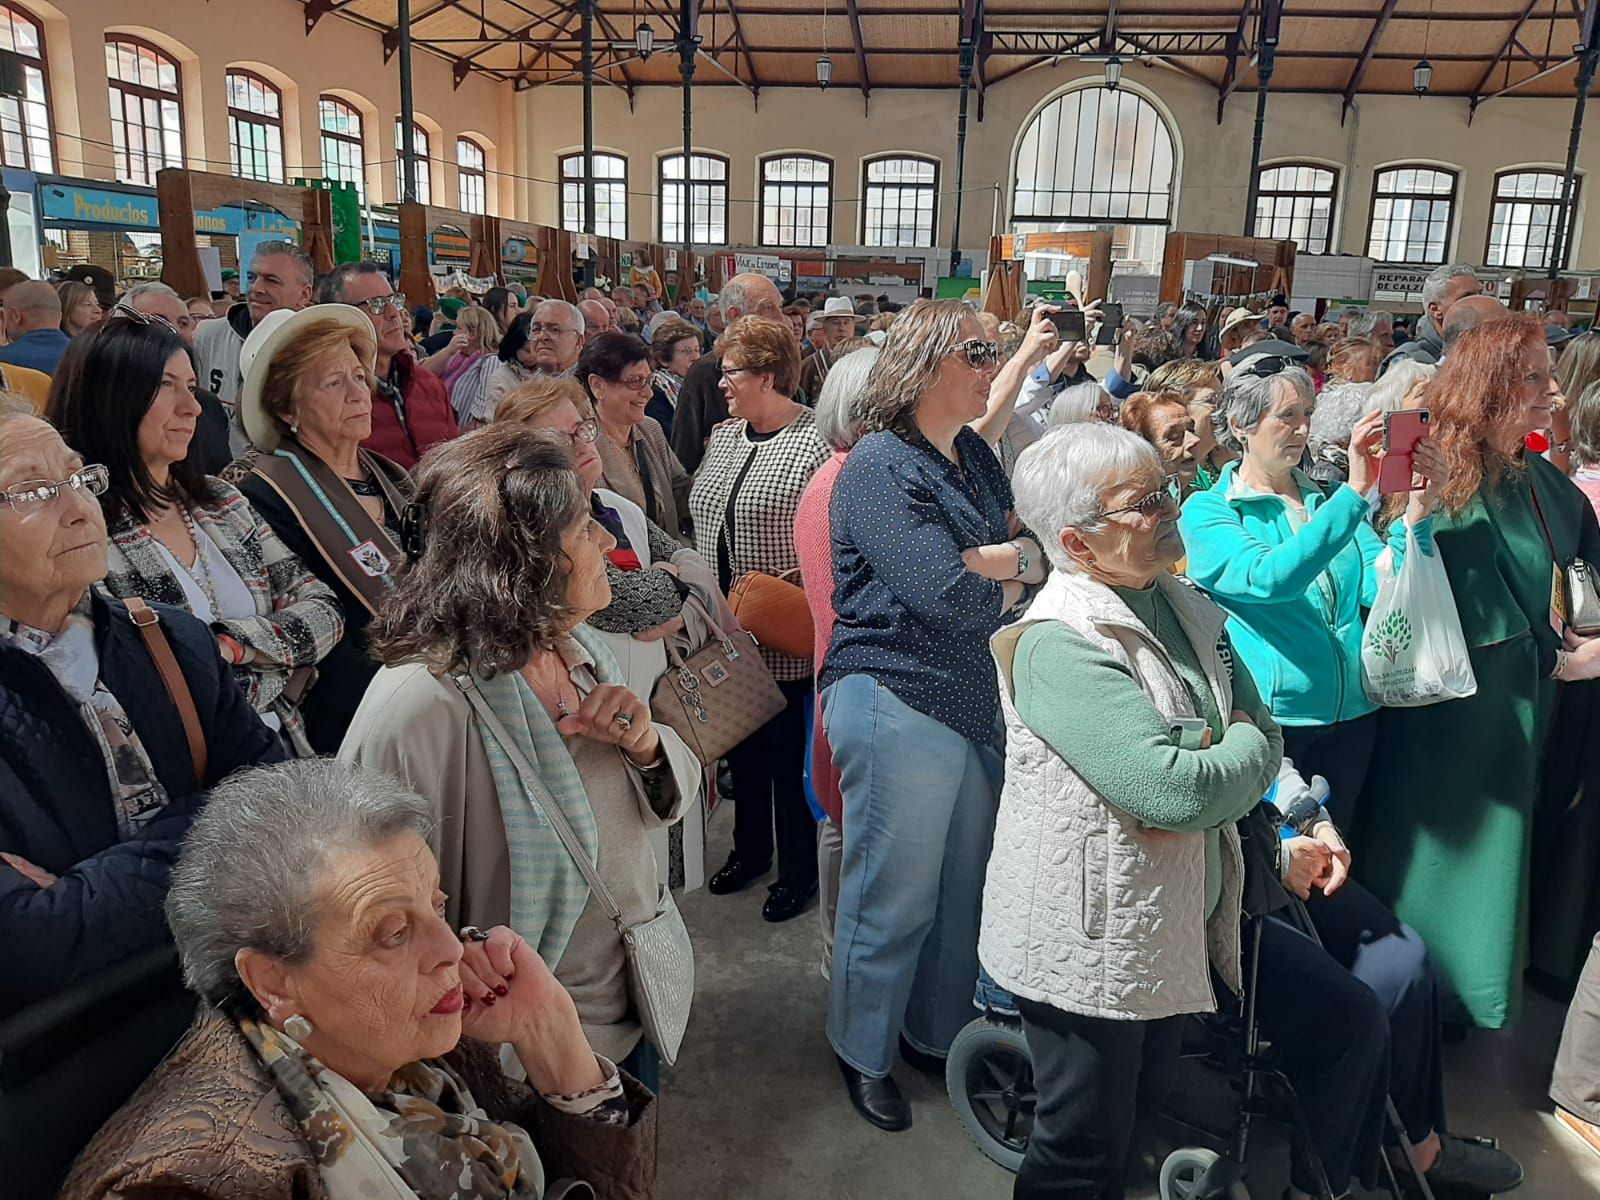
{"x":271,"y":334}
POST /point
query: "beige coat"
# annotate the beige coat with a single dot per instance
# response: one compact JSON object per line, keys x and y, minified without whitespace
{"x":422,"y":730}
{"x":669,"y":482}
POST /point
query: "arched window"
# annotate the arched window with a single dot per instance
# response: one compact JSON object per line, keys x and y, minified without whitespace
{"x":1295,"y":204}
{"x":1527,"y":209}
{"x":27,"y":137}
{"x":146,"y":108}
{"x":796,"y":200}
{"x":419,"y":150}
{"x":708,"y":199}
{"x":899,"y":199}
{"x":610,"y":195}
{"x":255,"y":127}
{"x":1412,"y":211}
{"x":1095,"y":158}
{"x":343,"y":158}
{"x":471,"y":165}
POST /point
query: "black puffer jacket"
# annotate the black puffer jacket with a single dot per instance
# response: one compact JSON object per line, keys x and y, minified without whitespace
{"x":56,"y":806}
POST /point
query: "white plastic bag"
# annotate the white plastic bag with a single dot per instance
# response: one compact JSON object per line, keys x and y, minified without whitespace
{"x":1413,"y":652}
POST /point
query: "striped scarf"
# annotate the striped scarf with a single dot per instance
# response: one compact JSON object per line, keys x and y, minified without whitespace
{"x":548,"y":891}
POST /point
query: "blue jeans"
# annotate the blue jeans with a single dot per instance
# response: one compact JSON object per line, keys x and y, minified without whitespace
{"x":919,"y":809}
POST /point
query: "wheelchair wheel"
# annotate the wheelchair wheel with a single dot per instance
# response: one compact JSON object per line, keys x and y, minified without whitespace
{"x":989,"y":1075}
{"x":1183,"y":1169}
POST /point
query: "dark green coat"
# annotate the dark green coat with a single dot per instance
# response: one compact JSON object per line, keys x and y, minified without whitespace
{"x":1445,"y":827}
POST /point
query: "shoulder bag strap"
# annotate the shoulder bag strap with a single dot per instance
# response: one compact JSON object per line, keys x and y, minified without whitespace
{"x":1533,"y":490}
{"x":149,"y":626}
{"x":540,"y":795}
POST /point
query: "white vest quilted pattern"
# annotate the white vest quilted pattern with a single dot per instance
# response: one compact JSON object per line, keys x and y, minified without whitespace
{"x":1083,"y":908}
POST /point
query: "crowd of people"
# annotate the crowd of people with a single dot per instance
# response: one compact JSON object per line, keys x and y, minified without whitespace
{"x":335,"y":633}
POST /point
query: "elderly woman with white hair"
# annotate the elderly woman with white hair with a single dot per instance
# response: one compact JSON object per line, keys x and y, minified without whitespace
{"x":1081,"y":402}
{"x":344,"y":1049}
{"x":1294,"y":565}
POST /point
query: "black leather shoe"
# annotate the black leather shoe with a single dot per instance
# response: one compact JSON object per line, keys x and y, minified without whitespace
{"x":787,"y":900}
{"x":735,"y":876}
{"x":929,"y":1064}
{"x":878,"y":1100}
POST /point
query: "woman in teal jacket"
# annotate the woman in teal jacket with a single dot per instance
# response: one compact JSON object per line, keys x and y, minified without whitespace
{"x":1294,"y":567}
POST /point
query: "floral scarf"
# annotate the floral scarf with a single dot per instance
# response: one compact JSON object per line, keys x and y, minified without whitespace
{"x":425,"y":1138}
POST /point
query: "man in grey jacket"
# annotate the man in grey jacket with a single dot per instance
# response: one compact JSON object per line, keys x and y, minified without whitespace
{"x":1440,"y":291}
{"x":280,"y":276}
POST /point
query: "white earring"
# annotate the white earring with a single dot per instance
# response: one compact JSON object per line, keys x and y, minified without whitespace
{"x":298,"y":1027}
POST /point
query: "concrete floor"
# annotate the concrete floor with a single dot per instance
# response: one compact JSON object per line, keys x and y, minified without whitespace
{"x":755,"y":1109}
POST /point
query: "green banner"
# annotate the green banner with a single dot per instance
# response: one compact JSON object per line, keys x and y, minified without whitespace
{"x":346,"y":217}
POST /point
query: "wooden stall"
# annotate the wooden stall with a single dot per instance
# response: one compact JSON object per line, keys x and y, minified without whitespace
{"x":1273,"y":272}
{"x":182,"y":193}
{"x":1010,"y":284}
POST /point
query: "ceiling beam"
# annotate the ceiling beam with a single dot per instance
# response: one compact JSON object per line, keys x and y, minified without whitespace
{"x":738,"y":31}
{"x":1367,"y":51}
{"x":861,"y":47}
{"x":1108,"y":38}
{"x":1505,"y":50}
{"x":1231,"y":75}
{"x":610,"y":31}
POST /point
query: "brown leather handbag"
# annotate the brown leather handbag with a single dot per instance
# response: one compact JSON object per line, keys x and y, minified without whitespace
{"x":716,"y":690}
{"x":774,"y":608}
{"x":149,"y":625}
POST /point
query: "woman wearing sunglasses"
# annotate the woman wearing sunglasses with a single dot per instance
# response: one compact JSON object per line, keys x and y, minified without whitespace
{"x":125,"y":397}
{"x":927,"y":560}
{"x":1294,"y":566}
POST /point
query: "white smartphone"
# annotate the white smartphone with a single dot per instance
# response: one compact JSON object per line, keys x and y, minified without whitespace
{"x":1191,"y":733}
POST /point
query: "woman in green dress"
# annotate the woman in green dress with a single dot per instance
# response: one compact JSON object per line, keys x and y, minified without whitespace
{"x":1447,"y":824}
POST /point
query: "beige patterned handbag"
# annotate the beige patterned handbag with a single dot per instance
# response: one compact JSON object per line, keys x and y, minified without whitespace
{"x":716,"y":690}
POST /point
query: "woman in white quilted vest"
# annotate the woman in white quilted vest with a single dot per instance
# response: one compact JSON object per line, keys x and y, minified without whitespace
{"x":1134,"y":743}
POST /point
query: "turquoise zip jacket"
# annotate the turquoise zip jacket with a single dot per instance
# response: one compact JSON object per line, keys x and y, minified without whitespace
{"x":1294,"y":589}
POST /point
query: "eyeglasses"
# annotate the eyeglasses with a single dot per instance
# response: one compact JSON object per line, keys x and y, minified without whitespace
{"x":587,"y":430}
{"x":144,"y":318}
{"x":730,"y":372}
{"x":379,"y":305}
{"x":1266,"y":366}
{"x":535,"y":328}
{"x":1153,"y":504}
{"x":978,"y":353}
{"x":639,"y":383}
{"x":34,"y":494}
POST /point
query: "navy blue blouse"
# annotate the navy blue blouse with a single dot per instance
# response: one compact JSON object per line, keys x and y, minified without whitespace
{"x":910,"y":614}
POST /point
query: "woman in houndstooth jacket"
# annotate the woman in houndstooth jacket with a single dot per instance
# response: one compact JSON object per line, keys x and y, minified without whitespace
{"x":744,"y":500}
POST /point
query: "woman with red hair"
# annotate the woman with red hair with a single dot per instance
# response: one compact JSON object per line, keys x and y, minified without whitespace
{"x":1446,"y":840}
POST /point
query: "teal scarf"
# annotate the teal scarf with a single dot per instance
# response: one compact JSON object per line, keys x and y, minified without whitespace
{"x":548,"y":892}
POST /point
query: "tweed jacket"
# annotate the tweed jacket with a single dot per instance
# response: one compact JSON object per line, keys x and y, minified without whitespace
{"x":669,"y":482}
{"x":1083,"y":908}
{"x":298,"y":619}
{"x":209,"y":1125}
{"x":745,"y":497}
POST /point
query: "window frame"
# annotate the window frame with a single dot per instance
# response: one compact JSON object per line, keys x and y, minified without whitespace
{"x":778,"y":241}
{"x":1572,"y":215}
{"x":690,"y":184}
{"x":609,"y":182}
{"x":41,"y":64}
{"x":251,"y":117}
{"x":866,"y":197}
{"x":1331,"y":195}
{"x":424,"y":160}
{"x":479,"y":173}
{"x":359,"y":141}
{"x":145,"y":92}
{"x":1454,"y":200}
{"x":1167,"y":195}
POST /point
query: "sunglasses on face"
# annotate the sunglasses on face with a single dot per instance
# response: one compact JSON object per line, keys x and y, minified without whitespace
{"x":1267,"y":366}
{"x":125,"y":311}
{"x":1153,"y":504}
{"x":978,"y":353}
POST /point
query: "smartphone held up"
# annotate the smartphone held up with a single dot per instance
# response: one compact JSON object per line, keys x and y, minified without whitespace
{"x":1402,"y":430}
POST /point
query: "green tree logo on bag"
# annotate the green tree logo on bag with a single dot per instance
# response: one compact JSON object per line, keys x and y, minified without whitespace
{"x":1390,"y":637}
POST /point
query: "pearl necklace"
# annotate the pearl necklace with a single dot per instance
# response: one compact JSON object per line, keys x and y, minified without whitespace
{"x":201,"y":571}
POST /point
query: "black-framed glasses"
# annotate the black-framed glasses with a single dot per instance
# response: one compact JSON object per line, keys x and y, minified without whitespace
{"x":378,"y":305}
{"x":32,"y":495}
{"x":978,"y":353}
{"x":730,"y":372}
{"x":1153,"y":504}
{"x":143,"y":318}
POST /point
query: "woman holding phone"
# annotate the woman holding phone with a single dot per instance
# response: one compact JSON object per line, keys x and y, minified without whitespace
{"x":1294,"y":566}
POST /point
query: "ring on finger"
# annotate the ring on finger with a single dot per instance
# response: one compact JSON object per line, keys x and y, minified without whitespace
{"x":625,"y":719}
{"x":471,"y":933}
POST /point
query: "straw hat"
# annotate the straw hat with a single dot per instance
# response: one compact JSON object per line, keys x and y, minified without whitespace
{"x":270,"y":335}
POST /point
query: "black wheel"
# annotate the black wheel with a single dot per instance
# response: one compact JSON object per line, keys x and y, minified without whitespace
{"x":989,"y":1074}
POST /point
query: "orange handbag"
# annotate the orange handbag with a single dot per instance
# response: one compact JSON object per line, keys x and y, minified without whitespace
{"x":774,"y":608}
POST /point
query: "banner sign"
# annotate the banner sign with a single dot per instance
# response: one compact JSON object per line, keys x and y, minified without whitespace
{"x":69,"y":204}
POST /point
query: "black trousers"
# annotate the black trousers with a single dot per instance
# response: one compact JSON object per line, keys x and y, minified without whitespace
{"x":769,"y":789}
{"x":1096,"y":1080}
{"x":1341,"y":753}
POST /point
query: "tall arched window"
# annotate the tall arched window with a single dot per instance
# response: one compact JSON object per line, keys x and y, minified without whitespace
{"x":899,"y":200}
{"x":1295,"y":204}
{"x":146,"y":108}
{"x":255,"y":127}
{"x":1412,"y":211}
{"x":419,"y":150}
{"x":708,"y":199}
{"x":610,"y":195}
{"x":471,"y":161}
{"x":1097,"y":158}
{"x":1527,"y":209}
{"x":796,"y":200}
{"x":343,"y":158}
{"x":27,"y":137}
